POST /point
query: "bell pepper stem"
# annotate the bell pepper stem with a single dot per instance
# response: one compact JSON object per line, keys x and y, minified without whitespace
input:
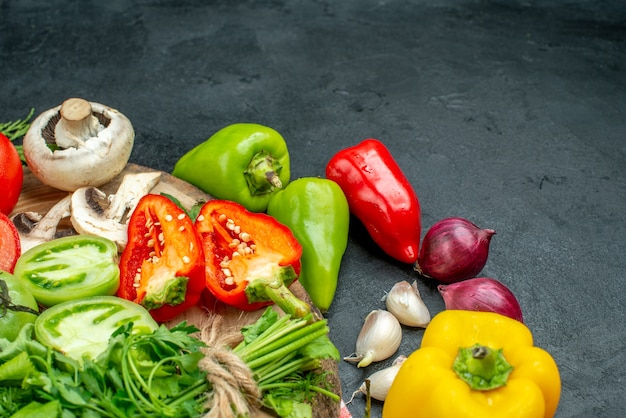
{"x":482,"y":367}
{"x":274,"y":288}
{"x":286,"y":300}
{"x":262,"y":174}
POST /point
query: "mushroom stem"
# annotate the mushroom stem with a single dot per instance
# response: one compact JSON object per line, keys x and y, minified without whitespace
{"x":77,"y":124}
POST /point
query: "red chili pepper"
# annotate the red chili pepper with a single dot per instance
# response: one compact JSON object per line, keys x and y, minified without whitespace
{"x":162,"y":266}
{"x":10,"y":248}
{"x":250,"y":258}
{"x":380,"y":196}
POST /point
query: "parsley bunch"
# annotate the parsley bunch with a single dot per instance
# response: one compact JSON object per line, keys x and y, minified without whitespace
{"x":159,"y":374}
{"x":149,"y":375}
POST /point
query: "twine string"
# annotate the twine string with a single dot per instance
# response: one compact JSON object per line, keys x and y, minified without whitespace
{"x":234,"y":392}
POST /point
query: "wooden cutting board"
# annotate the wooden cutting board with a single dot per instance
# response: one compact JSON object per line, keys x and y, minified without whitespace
{"x":37,"y":197}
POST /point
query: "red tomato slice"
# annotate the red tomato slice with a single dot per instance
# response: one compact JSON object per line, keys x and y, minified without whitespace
{"x":10,"y":248}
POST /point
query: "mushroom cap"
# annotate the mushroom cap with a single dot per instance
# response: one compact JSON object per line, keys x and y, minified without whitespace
{"x":102,"y":157}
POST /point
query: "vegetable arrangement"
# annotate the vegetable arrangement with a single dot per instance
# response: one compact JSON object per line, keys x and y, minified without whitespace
{"x":245,"y":248}
{"x":157,"y":260}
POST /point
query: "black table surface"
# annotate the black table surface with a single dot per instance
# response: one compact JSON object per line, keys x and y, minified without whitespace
{"x":509,"y":113}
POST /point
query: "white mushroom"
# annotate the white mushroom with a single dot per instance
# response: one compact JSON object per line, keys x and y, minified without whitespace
{"x":78,"y":144}
{"x":35,"y":229}
{"x":95,"y":213}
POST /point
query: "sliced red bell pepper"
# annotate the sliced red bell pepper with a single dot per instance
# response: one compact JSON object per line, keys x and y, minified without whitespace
{"x":162,"y":266}
{"x":380,"y":196}
{"x":10,"y":248}
{"x":250,"y":258}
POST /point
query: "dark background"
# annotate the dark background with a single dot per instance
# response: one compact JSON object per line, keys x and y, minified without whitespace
{"x":509,"y":113}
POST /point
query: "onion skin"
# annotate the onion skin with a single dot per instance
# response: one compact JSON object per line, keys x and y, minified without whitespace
{"x":454,"y":249}
{"x":482,"y":294}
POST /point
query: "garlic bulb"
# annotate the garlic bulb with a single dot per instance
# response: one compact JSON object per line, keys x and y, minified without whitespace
{"x":379,"y":338}
{"x":381,"y":381}
{"x":406,"y":304}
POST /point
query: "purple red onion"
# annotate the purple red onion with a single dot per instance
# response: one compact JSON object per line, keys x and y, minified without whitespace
{"x":481,"y":294}
{"x":453,"y":249}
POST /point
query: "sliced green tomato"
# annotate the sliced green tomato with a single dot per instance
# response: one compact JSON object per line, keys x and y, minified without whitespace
{"x":83,"y":327}
{"x":70,"y":268}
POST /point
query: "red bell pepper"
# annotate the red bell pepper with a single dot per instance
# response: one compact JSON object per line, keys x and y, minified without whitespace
{"x":10,"y":248}
{"x":162,"y":266}
{"x":380,"y":196}
{"x":250,"y":258}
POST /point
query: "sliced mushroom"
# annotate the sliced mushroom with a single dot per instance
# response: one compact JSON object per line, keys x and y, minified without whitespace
{"x":35,"y":229}
{"x":78,"y":144}
{"x":95,"y":213}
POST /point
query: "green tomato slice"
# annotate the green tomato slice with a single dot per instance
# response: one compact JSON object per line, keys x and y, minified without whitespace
{"x":83,"y":327}
{"x":70,"y":268}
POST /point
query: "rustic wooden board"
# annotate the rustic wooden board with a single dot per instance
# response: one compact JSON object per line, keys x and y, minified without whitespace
{"x":37,"y":197}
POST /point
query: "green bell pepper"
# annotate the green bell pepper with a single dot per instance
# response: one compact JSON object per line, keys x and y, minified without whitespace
{"x":244,"y":162}
{"x":316,"y":210}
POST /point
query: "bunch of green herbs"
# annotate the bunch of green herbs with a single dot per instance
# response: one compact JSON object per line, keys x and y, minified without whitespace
{"x":158,"y":374}
{"x":149,"y":375}
{"x":285,"y":356}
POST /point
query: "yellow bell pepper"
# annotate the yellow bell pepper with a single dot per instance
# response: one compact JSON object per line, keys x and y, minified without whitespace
{"x":475,"y":365}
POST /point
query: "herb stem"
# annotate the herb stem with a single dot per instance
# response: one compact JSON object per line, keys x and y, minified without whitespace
{"x":133,"y":392}
{"x":282,"y":371}
{"x":191,"y":393}
{"x":292,"y":342}
{"x":281,"y":327}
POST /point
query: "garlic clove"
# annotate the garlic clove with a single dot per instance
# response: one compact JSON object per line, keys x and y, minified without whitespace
{"x":379,"y":338}
{"x":381,"y":381}
{"x":405,"y":303}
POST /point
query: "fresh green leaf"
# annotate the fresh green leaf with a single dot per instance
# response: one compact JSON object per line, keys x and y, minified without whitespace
{"x":321,"y":348}
{"x":253,"y":331}
{"x":17,"y":368}
{"x":23,"y":342}
{"x":15,"y":130}
{"x":192,"y":212}
{"x":36,"y":409}
{"x":286,"y":407}
{"x":12,"y":398}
